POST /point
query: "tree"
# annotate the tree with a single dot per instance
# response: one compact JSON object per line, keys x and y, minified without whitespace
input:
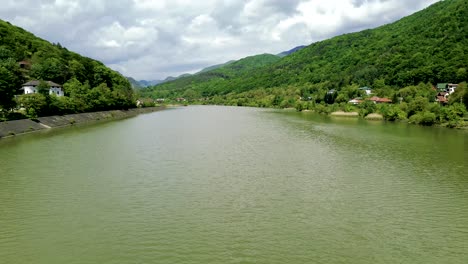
{"x":43,"y":88}
{"x":35,"y":104}
{"x":367,"y":107}
{"x":393,"y":113}
{"x":7,"y":89}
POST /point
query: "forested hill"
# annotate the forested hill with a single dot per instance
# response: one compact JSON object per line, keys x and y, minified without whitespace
{"x":428,"y":46}
{"x":213,"y":81}
{"x":89,"y":85}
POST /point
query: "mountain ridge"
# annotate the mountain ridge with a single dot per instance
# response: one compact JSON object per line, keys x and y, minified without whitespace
{"x":412,"y":50}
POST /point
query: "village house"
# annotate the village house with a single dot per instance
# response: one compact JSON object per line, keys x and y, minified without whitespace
{"x":444,"y":91}
{"x":32,"y":87}
{"x":451,"y":87}
{"x":441,"y":97}
{"x":442,"y":87}
{"x":356,"y":101}
{"x":378,"y":100}
{"x":366,"y":89}
{"x":447,"y":87}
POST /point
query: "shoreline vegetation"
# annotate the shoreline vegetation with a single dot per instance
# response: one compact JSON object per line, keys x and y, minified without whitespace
{"x":26,"y":126}
{"x":413,"y":109}
{"x":392,"y":73}
{"x":416,"y":69}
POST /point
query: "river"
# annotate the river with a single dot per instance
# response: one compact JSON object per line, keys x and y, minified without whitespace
{"x":208,"y":184}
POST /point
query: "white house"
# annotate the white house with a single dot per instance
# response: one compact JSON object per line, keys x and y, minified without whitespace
{"x":355,"y":101}
{"x":451,"y":88}
{"x":366,"y":89}
{"x":32,"y":87}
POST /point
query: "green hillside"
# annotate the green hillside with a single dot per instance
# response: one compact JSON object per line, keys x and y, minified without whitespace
{"x":88,"y":84}
{"x":214,"y":67}
{"x":401,"y":61}
{"x":211,"y":82}
{"x":429,"y":46}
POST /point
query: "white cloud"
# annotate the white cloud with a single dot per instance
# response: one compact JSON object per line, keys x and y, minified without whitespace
{"x":152,"y":39}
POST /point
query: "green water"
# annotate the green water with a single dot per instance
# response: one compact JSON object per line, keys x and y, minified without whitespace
{"x":235,"y":185}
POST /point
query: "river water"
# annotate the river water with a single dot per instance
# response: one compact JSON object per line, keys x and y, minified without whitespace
{"x":214,"y":184}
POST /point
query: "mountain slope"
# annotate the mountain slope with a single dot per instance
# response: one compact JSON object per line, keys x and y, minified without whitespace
{"x":214,"y":67}
{"x":428,"y":46}
{"x":88,"y":84}
{"x":212,"y":80}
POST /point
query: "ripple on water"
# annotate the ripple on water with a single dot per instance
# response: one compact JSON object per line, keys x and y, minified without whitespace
{"x":234,"y":185}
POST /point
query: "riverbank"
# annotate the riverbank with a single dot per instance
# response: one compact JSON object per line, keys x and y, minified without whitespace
{"x":18,"y":127}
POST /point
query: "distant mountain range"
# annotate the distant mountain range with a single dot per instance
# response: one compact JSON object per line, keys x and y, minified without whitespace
{"x":144,"y":83}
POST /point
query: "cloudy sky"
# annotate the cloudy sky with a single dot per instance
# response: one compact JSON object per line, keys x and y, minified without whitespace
{"x":153,"y":39}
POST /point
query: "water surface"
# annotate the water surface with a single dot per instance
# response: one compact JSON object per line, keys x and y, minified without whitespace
{"x":235,"y":185}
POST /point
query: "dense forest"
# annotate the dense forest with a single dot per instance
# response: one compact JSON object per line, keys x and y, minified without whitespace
{"x":402,"y":61}
{"x":210,"y":82}
{"x":88,"y":84}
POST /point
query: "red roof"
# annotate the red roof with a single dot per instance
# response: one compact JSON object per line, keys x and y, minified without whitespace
{"x":380,"y":100}
{"x":441,"y":99}
{"x":384,"y":100}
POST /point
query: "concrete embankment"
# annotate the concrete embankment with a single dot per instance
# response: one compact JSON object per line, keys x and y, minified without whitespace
{"x":17,"y":127}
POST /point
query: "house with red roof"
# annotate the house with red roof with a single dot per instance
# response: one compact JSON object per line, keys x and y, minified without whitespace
{"x":378,"y":100}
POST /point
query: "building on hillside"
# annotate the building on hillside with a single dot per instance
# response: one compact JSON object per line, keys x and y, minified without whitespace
{"x":332,"y":91}
{"x":447,"y":87}
{"x":442,"y":87}
{"x":442,"y":97}
{"x":378,"y":100}
{"x":366,"y":89}
{"x":355,"y":101}
{"x":32,"y":87}
{"x":451,"y":87}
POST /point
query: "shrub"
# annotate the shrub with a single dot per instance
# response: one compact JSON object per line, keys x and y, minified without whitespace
{"x":393,"y":113}
{"x":423,"y":118}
